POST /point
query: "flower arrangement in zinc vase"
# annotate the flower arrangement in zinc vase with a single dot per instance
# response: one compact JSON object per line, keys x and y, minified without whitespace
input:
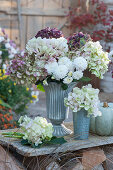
{"x":85,"y":98}
{"x":52,"y":58}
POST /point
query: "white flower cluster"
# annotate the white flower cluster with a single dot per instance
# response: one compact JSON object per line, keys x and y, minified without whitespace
{"x":85,"y":98}
{"x":9,"y":46}
{"x":6,"y":45}
{"x":64,"y":69}
{"x":42,"y":51}
{"x":96,"y":58}
{"x":37,"y":130}
{"x":49,"y":59}
{"x":43,"y":46}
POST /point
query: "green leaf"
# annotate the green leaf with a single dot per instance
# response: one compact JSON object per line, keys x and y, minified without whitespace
{"x":55,"y":141}
{"x":40,"y":87}
{"x":85,"y":79}
{"x":4,"y":104}
{"x":64,"y":86}
{"x":25,"y":142}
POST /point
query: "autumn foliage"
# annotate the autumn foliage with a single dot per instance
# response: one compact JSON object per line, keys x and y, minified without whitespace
{"x":6,"y":118}
{"x":97,"y":20}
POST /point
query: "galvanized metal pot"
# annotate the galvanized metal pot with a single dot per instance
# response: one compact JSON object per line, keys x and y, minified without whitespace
{"x":56,"y":111}
{"x":81,"y":124}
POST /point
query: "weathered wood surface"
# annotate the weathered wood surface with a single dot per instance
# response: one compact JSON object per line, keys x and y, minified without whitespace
{"x":36,"y":12}
{"x":71,"y":145}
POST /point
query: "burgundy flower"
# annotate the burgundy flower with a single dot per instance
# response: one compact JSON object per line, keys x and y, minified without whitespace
{"x":49,"y":33}
{"x":77,"y":40}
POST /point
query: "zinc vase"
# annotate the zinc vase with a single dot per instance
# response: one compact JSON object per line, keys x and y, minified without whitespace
{"x":56,"y":111}
{"x":81,"y":125}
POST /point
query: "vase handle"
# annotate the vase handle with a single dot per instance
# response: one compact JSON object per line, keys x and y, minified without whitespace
{"x":71,"y":86}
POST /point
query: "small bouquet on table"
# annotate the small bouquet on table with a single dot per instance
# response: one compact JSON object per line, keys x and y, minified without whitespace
{"x":56,"y":64}
{"x":35,"y":132}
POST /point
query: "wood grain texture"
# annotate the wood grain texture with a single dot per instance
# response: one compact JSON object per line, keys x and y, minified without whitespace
{"x":35,"y":15}
{"x":71,"y":145}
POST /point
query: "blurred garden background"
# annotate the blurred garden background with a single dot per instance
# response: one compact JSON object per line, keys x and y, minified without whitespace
{"x":20,"y":20}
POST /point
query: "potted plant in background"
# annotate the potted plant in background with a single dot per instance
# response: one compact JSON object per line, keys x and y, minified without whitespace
{"x":57,"y":65}
{"x":17,"y":96}
{"x":84,"y":103}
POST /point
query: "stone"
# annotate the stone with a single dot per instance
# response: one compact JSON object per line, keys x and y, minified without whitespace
{"x":93,"y":157}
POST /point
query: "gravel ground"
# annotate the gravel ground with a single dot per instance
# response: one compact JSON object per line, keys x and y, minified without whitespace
{"x":40,"y":107}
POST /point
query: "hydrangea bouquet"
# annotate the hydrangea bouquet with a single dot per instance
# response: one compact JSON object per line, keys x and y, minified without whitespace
{"x":84,"y":102}
{"x":52,"y":58}
{"x":35,"y":132}
{"x":85,"y":98}
{"x":91,"y":52}
{"x":57,"y":63}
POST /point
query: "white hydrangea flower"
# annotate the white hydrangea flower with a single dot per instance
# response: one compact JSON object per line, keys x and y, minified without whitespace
{"x":97,"y":59}
{"x":85,"y":98}
{"x":77,"y":75}
{"x":80,"y":63}
{"x":60,"y":72}
{"x":65,"y":61}
{"x":36,"y":130}
{"x":48,"y":46}
{"x":50,"y":67}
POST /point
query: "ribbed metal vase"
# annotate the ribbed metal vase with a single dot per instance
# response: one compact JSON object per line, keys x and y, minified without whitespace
{"x":81,"y":125}
{"x":56,"y":111}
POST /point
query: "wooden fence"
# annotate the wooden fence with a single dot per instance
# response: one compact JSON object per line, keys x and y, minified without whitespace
{"x":23,"y":18}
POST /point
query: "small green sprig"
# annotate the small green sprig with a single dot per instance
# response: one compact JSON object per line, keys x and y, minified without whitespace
{"x":13,"y":135}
